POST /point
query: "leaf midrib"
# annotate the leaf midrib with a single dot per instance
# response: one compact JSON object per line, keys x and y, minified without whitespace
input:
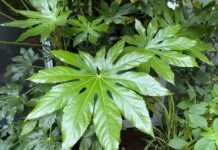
{"x":68,"y":91}
{"x":104,"y":103}
{"x":84,"y":102}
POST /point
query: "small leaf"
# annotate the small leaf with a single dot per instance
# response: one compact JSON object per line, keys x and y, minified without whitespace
{"x":183,"y":105}
{"x":79,"y":38}
{"x":198,"y":109}
{"x":139,"y":28}
{"x":198,"y":121}
{"x":194,"y":52}
{"x":215,"y":124}
{"x":205,"y":144}
{"x":177,"y":143}
{"x":28,"y":127}
{"x":152,"y":28}
{"x":114,"y":52}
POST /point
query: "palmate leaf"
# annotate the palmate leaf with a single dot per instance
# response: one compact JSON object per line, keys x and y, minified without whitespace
{"x":41,"y":140}
{"x":86,"y":30}
{"x":22,"y":65}
{"x":43,"y":22}
{"x":11,"y":102}
{"x":115,"y":13}
{"x":97,"y":90}
{"x":167,"y":47}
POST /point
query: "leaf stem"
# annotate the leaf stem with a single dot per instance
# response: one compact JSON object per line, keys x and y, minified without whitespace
{"x":9,"y":6}
{"x":57,"y":40}
{"x":30,"y":90}
{"x":7,"y":16}
{"x":39,"y":67}
{"x":24,"y":5}
{"x":22,"y":44}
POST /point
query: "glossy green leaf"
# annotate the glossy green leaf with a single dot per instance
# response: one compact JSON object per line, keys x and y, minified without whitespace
{"x":131,"y":107}
{"x":164,"y":46}
{"x":115,"y":51}
{"x":55,"y":75}
{"x":194,"y":51}
{"x":54,"y":100}
{"x":141,"y":83}
{"x":69,"y":58}
{"x":91,"y":93}
{"x":178,"y":59}
{"x":168,"y":32}
{"x":77,"y":116}
{"x":131,"y":60}
{"x":177,"y":43}
{"x":107,"y":119}
{"x":139,"y":28}
{"x":42,"y":22}
{"x":152,"y":28}
{"x":162,"y":69}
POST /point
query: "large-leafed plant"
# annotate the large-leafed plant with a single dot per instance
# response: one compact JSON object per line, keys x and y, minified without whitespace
{"x":48,"y":15}
{"x":103,"y":88}
{"x":168,"y":47}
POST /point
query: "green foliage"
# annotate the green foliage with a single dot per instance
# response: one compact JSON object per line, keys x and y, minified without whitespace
{"x":86,"y":30}
{"x":177,"y":143}
{"x":40,"y":140}
{"x":11,"y":102}
{"x":49,"y":14}
{"x":115,"y":13}
{"x":90,"y":141}
{"x":165,"y":45}
{"x":22,"y":66}
{"x":98,"y":79}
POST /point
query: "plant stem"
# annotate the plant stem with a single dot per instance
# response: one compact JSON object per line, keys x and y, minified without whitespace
{"x":39,"y":67}
{"x":58,"y":40}
{"x":7,"y":16}
{"x":24,"y":5}
{"x":9,"y":6}
{"x":90,"y":7}
{"x":22,"y":44}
